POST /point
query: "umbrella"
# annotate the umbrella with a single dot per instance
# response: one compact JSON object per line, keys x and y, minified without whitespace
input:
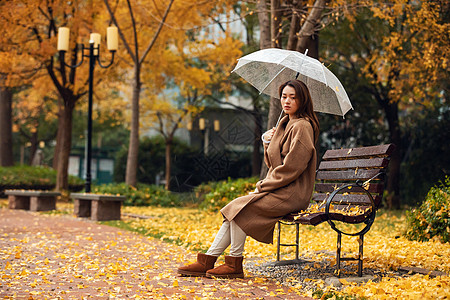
{"x":267,"y":69}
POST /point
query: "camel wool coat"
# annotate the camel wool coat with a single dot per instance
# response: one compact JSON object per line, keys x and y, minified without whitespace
{"x":288,"y":186}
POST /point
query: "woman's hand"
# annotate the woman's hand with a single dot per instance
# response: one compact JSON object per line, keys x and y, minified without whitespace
{"x":254,"y":192}
{"x":267,"y":136}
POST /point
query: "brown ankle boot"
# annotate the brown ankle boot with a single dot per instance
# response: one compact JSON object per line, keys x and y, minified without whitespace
{"x":231,"y":269}
{"x":204,"y":263}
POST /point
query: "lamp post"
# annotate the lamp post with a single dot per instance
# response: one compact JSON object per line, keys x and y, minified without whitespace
{"x":203,"y":125}
{"x":93,"y":53}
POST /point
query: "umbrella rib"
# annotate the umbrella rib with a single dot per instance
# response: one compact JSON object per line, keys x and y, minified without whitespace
{"x":271,"y":80}
{"x":339,"y":103}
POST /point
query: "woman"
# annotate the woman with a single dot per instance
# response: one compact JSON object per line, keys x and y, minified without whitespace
{"x":290,"y":154}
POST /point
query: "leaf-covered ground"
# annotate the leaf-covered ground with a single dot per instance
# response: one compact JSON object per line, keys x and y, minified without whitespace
{"x":385,"y":250}
{"x":49,"y":256}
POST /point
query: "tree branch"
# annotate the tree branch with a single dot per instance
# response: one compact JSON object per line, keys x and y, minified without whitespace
{"x":161,"y":24}
{"x":310,"y":23}
{"x":122,"y":36}
{"x":133,"y":22}
{"x":161,"y":125}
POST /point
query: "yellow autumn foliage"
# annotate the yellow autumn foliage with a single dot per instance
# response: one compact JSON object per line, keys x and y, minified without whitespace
{"x":384,"y":248}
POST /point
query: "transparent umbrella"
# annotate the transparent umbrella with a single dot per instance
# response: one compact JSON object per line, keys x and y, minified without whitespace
{"x":267,"y":69}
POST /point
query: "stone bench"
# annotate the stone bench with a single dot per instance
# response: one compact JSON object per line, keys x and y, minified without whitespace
{"x":32,"y":200}
{"x":97,"y":207}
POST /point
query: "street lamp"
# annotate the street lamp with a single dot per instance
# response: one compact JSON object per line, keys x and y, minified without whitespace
{"x":94,"y":56}
{"x":203,"y":125}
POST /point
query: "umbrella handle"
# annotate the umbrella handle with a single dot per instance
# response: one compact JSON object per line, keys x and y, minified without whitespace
{"x":279,"y":118}
{"x":262,"y":136}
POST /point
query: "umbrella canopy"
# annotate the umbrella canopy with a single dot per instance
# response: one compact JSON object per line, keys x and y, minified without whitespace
{"x":267,"y":69}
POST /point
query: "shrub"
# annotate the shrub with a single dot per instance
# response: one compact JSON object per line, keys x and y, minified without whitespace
{"x":432,"y":218}
{"x":205,"y":188}
{"x":28,"y":177}
{"x":142,"y":195}
{"x":222,"y":192}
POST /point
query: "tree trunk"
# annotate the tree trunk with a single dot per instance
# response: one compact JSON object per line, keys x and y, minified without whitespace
{"x":274,"y":106}
{"x":264,"y":25}
{"x":6,"y":141}
{"x":275,"y":25}
{"x":62,"y":178}
{"x":267,"y":36}
{"x":393,"y":184}
{"x":312,"y":44}
{"x":294,"y":27}
{"x":34,"y":146}
{"x":58,"y":134}
{"x":168,"y":162}
{"x":308,"y":29}
{"x":256,"y":155}
{"x":133,"y":149}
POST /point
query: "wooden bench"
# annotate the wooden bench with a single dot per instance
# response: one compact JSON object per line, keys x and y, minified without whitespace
{"x":97,"y":207}
{"x":32,"y":200}
{"x":349,"y":188}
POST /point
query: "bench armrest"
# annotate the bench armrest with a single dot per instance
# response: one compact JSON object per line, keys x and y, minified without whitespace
{"x":368,"y":221}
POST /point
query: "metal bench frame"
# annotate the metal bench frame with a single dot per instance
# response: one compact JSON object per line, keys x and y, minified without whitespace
{"x":368,"y":221}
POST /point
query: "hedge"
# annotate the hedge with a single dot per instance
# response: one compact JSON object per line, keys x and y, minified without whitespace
{"x":33,"y":178}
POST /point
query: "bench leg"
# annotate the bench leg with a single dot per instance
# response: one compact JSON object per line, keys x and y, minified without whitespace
{"x":360,"y":257}
{"x":82,"y":208}
{"x":18,"y":202}
{"x":278,"y":241}
{"x":42,"y":203}
{"x":338,"y":254}
{"x":105,"y":210}
{"x":297,"y":240}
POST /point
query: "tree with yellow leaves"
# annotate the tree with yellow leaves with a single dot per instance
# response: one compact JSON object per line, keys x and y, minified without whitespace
{"x":197,"y":66}
{"x":399,"y":52}
{"x":146,"y":30}
{"x":28,"y":55}
{"x":167,"y":118}
{"x":6,"y":141}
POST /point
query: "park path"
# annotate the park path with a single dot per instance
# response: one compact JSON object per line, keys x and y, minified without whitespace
{"x":46,"y":256}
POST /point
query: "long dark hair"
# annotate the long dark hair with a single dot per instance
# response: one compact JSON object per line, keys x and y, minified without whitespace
{"x":305,"y":108}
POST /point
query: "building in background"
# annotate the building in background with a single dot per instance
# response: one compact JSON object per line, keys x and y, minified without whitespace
{"x":102,"y":164}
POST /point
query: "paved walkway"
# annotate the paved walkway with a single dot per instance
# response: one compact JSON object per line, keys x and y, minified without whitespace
{"x":47,"y":256}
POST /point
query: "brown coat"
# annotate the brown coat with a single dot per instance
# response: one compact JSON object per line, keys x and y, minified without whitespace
{"x":288,"y":186}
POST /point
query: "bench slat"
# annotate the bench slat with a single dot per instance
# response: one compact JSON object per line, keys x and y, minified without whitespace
{"x":348,"y":208}
{"x":377,"y":162}
{"x":330,"y":187}
{"x":381,"y":150}
{"x":348,"y":199}
{"x":30,"y":193}
{"x":320,"y":217}
{"x":97,"y":197}
{"x":347,"y":175}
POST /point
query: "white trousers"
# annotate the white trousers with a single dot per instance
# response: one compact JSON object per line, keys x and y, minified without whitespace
{"x":229,"y":234}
